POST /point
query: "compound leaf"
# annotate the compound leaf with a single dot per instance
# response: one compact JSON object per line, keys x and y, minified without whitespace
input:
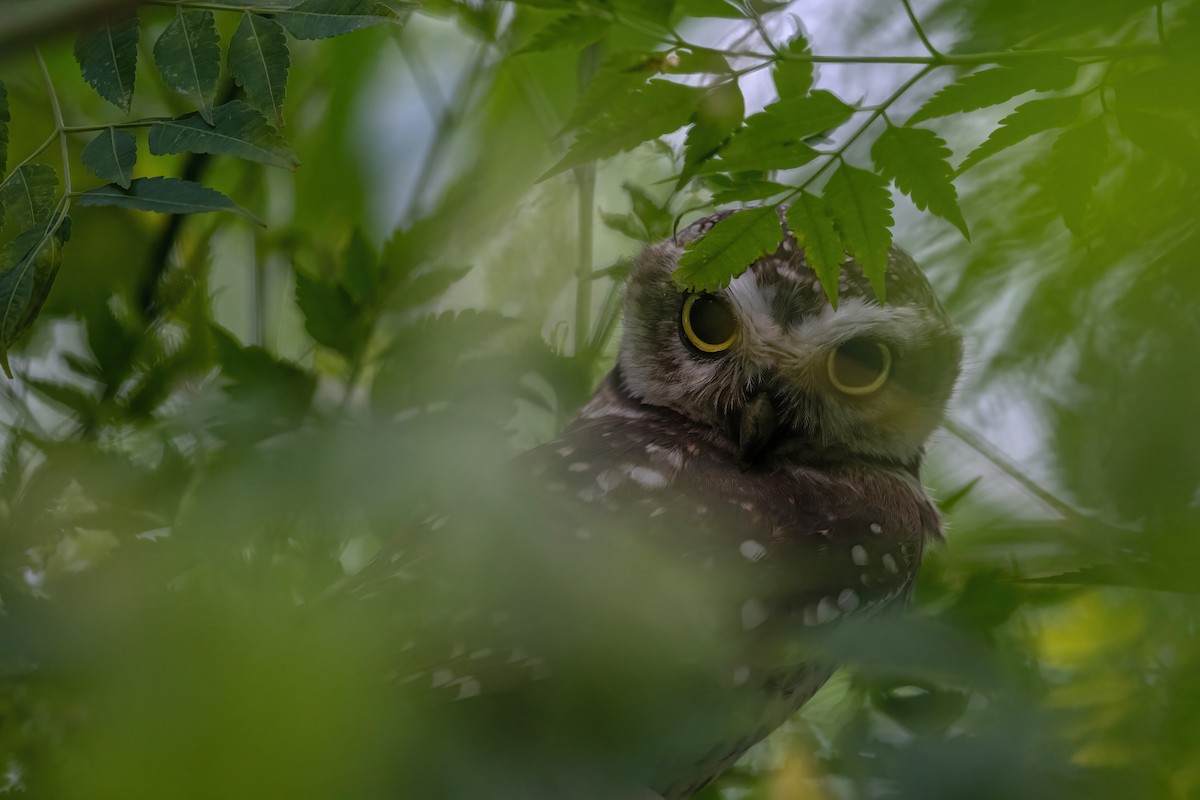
{"x":793,"y":78}
{"x":29,"y":195}
{"x":729,"y":248}
{"x":773,"y":138}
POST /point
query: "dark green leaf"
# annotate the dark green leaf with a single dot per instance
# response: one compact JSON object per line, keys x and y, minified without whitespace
{"x":237,"y":129}
{"x":729,"y":248}
{"x":111,"y":156}
{"x":331,"y":316}
{"x":808,"y":216}
{"x":1027,"y":120}
{"x":362,"y":272}
{"x":727,"y":190}
{"x":28,"y":263}
{"x":862,"y":208}
{"x":164,"y":196}
{"x":994,"y":86}
{"x":652,"y":110}
{"x":773,"y":138}
{"x":712,"y":8}
{"x":1160,"y":135}
{"x":259,"y":62}
{"x":4,"y":120}
{"x":1078,"y":161}
{"x":717,"y":116}
{"x":29,"y":195}
{"x":188,"y":54}
{"x":916,"y":159}
{"x":657,"y":12}
{"x":794,"y":78}
{"x":107,"y":56}
{"x":321,"y":19}
{"x":569,"y":32}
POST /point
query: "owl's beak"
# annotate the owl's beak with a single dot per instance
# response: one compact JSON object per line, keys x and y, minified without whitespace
{"x":757,"y":427}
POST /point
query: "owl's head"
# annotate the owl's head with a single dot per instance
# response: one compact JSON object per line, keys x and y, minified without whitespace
{"x":769,"y":363}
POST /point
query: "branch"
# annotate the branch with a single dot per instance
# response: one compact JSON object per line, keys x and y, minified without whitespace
{"x":920,"y":31}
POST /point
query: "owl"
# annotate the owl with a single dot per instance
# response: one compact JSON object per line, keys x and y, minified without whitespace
{"x":761,"y":435}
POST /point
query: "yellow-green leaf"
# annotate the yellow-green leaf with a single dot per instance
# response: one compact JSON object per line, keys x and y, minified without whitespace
{"x":991,"y":87}
{"x":729,"y":249}
{"x":1027,"y":120}
{"x":808,"y":217}
{"x":861,"y":206}
{"x":916,"y":160}
{"x":793,"y":78}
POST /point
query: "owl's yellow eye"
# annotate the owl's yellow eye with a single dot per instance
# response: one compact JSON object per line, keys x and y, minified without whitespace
{"x":708,"y":323}
{"x":859,"y":367}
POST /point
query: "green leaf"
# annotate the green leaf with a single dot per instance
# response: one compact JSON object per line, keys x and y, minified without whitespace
{"x":574,"y":31}
{"x":321,"y":19}
{"x":994,"y":86}
{"x":729,"y":248}
{"x":808,"y":216}
{"x":331,"y":316}
{"x":698,"y":61}
{"x":1077,"y":163}
{"x":427,"y":286}
{"x":718,"y":115}
{"x":728,"y":190}
{"x":29,"y":263}
{"x":4,"y":120}
{"x":712,"y":8}
{"x":861,"y":206}
{"x":164,"y":196}
{"x":29,"y":195}
{"x":259,"y":62}
{"x":656,"y":12}
{"x":794,"y":78}
{"x":188,"y":54}
{"x":237,"y":129}
{"x":916,"y":159}
{"x":362,"y":273}
{"x":107,"y":56}
{"x":1027,"y":120}
{"x":773,"y":138}
{"x":111,"y":156}
{"x":647,"y":112}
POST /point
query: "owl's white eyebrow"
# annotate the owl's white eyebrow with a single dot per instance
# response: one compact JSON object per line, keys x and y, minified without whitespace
{"x":858,"y":317}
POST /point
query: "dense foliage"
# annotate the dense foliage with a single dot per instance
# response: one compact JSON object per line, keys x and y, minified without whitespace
{"x":214,"y":421}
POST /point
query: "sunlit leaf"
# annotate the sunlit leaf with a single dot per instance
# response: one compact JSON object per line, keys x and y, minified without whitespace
{"x":29,"y":195}
{"x":1079,"y":158}
{"x":188,"y":54}
{"x":717,"y":116}
{"x":571,"y":31}
{"x":861,"y":206}
{"x":794,"y":78}
{"x":729,"y":248}
{"x":164,"y":196}
{"x":321,"y":19}
{"x":655,"y":109}
{"x":1027,"y":120}
{"x":916,"y":159}
{"x":809,"y":219}
{"x":237,"y":129}
{"x":28,"y":265}
{"x":991,"y":87}
{"x":111,"y":156}
{"x":259,"y":62}
{"x":773,"y":138}
{"x":107,"y":56}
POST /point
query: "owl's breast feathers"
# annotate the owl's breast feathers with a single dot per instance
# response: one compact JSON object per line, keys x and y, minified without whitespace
{"x":823,"y":535}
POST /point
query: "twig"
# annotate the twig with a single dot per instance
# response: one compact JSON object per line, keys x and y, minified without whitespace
{"x":1162,"y":30}
{"x":994,"y":457}
{"x":933,"y":51}
{"x":59,"y":127}
{"x":585,"y":178}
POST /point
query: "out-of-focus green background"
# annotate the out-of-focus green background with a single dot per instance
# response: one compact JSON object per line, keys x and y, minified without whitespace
{"x":213,"y":426}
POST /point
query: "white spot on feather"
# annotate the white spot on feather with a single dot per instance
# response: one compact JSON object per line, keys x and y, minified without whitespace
{"x":752,"y":550}
{"x":753,"y":614}
{"x":648,"y":478}
{"x":858,"y":554}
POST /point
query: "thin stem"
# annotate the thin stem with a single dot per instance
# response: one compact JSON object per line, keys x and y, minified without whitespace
{"x":994,"y":457}
{"x":40,"y":149}
{"x":59,"y":126}
{"x":959,"y":59}
{"x":763,"y":33}
{"x":1162,"y":30}
{"x":585,"y":177}
{"x":879,"y":111}
{"x":933,"y":51}
{"x":141,"y":123}
{"x":185,"y":4}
